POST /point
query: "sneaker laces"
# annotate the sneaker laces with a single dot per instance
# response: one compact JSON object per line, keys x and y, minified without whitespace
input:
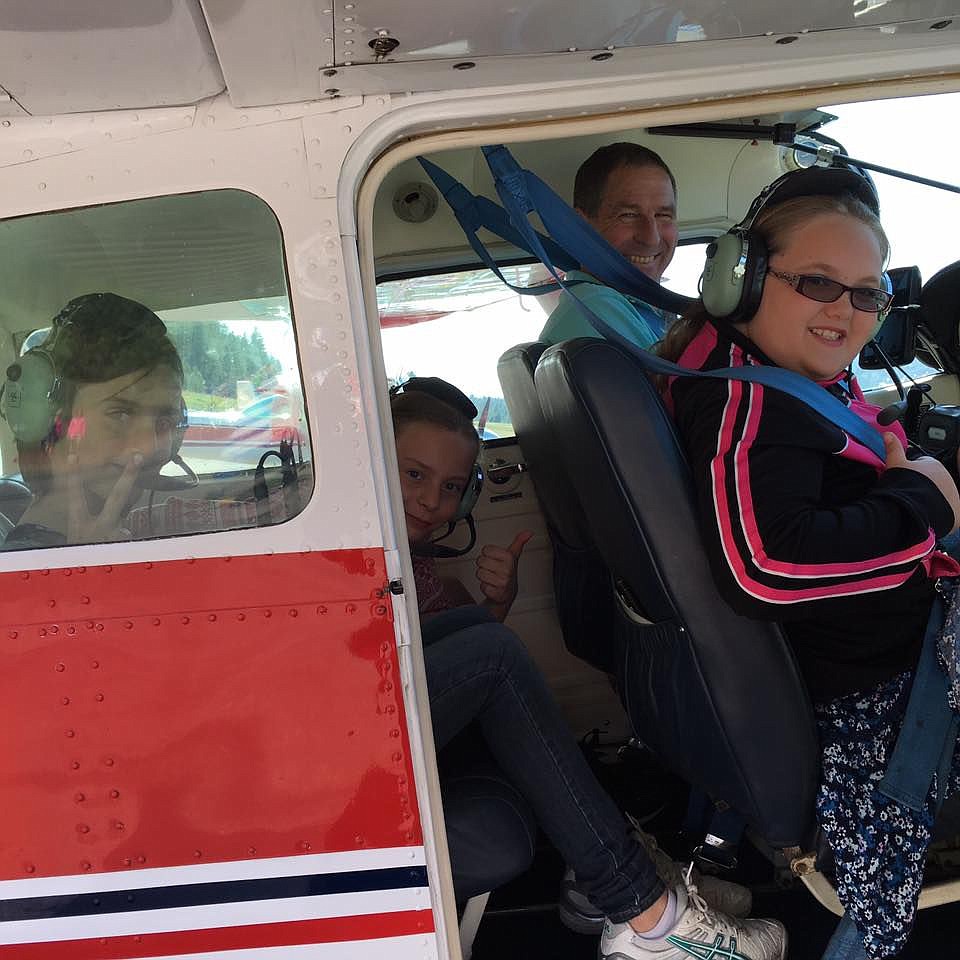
{"x":706,"y":915}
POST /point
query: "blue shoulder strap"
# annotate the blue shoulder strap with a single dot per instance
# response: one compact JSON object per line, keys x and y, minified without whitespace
{"x":511,"y":183}
{"x":473,"y":212}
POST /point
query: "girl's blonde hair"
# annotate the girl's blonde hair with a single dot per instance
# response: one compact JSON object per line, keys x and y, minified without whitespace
{"x":773,"y":227}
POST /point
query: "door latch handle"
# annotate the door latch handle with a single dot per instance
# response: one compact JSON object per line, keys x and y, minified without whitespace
{"x":500,"y":471}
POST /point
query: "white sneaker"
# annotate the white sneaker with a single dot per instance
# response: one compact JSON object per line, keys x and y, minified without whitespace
{"x":700,"y":933}
{"x":580,"y":915}
{"x":722,"y":895}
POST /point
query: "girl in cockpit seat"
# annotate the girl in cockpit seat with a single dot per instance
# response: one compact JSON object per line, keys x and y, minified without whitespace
{"x":807,"y":527}
{"x":479,"y":672}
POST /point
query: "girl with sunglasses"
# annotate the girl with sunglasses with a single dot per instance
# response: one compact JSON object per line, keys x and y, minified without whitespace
{"x":805,"y":526}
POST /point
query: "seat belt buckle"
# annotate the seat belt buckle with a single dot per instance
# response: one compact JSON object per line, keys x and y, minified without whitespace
{"x":716,"y":853}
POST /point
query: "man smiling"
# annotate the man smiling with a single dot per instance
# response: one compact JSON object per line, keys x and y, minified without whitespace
{"x":628,"y":195}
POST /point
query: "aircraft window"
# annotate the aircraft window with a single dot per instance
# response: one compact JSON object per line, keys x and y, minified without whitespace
{"x":880,"y":379}
{"x":152,"y":386}
{"x":456,"y":326}
{"x":683,"y":273}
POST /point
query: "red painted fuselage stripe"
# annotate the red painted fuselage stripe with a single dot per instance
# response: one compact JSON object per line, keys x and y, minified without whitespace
{"x":328,"y":930}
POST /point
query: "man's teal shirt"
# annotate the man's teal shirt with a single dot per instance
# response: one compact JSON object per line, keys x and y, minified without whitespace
{"x":568,"y":320}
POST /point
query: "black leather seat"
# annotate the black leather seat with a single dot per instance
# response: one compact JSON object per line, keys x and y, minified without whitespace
{"x":581,"y":581}
{"x":15,"y":497}
{"x":717,"y":696}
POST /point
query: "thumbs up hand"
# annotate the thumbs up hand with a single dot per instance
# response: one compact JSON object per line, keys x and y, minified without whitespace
{"x":497,"y":573}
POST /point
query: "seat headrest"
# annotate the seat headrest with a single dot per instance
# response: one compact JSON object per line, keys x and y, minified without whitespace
{"x":940,"y":309}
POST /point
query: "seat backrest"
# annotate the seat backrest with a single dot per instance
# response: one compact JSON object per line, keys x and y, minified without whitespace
{"x":15,"y":497}
{"x":940,"y":306}
{"x":718,"y":696}
{"x":558,"y":499}
{"x":581,"y":581}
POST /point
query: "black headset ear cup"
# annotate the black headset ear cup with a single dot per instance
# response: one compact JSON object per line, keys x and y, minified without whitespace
{"x":886,"y":283}
{"x":754,"y":277}
{"x":471,"y":494}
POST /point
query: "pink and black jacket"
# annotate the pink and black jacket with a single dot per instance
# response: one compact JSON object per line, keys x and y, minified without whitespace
{"x":807,"y":527}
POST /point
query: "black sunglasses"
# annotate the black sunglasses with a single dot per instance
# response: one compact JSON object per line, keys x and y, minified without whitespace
{"x":825,"y":290}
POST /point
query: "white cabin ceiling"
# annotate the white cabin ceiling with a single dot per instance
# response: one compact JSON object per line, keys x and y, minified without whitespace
{"x":91,"y":55}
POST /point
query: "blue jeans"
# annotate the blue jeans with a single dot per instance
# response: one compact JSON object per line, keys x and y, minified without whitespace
{"x":483,"y":673}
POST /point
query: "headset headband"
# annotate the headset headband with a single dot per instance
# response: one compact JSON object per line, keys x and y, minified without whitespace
{"x":440,"y":390}
{"x":814,"y":181}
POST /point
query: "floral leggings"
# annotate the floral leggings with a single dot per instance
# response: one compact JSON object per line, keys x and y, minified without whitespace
{"x":879,"y":845}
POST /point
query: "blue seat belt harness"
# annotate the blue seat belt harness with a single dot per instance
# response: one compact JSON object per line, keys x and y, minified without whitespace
{"x":473,"y":212}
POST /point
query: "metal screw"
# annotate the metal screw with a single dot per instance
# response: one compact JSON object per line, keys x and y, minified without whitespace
{"x":383,"y":45}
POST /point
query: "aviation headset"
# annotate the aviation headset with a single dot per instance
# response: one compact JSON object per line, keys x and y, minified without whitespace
{"x":453,"y":397}
{"x":736,"y":265}
{"x":35,"y":391}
